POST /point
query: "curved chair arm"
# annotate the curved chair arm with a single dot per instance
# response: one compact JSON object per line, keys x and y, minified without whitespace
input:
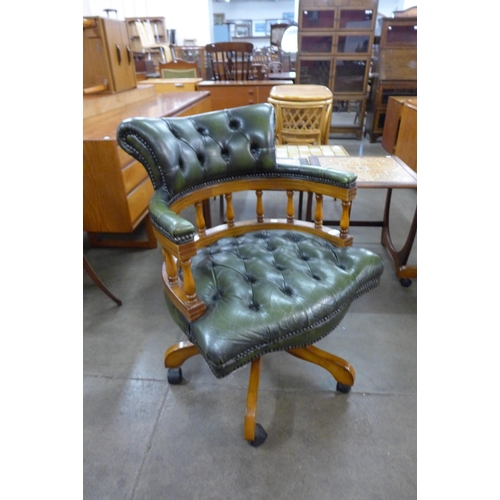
{"x":337,"y":177}
{"x":165,"y":220}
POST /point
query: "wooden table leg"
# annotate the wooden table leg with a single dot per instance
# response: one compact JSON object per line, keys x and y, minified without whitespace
{"x":98,"y":282}
{"x":400,"y":257}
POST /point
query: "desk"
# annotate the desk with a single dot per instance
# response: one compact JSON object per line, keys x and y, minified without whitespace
{"x":116,"y":188}
{"x":231,"y":94}
{"x":379,"y":172}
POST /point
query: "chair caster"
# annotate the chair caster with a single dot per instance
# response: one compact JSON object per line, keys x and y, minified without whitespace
{"x":343,"y":388}
{"x":260,"y":436}
{"x":174,"y":376}
{"x":406,"y":282}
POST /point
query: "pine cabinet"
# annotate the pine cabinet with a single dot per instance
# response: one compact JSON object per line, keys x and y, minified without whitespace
{"x":335,"y":48}
{"x":108,"y":63}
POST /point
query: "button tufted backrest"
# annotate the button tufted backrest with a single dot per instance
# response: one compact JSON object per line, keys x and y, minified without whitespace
{"x":186,"y":152}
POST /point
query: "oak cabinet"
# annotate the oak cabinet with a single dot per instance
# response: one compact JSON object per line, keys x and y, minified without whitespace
{"x":108,"y":62}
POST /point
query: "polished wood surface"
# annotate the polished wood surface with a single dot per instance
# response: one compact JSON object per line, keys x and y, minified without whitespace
{"x":341,"y":370}
{"x":103,"y":126}
{"x":252,"y":395}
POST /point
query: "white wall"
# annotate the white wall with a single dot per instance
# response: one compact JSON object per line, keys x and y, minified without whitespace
{"x":190,"y":18}
{"x":193,"y":18}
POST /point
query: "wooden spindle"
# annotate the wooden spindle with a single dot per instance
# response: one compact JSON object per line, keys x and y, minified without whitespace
{"x":318,"y":213}
{"x":200,"y":218}
{"x":229,"y":209}
{"x":171,"y":267}
{"x":290,"y":210}
{"x":260,"y":206}
{"x":188,"y":280}
{"x":344,"y":220}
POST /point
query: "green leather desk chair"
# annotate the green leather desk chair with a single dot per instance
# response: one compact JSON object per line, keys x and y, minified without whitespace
{"x":246,"y":288}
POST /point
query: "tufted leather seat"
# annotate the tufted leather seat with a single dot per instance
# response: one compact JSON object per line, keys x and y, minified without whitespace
{"x":244,"y":289}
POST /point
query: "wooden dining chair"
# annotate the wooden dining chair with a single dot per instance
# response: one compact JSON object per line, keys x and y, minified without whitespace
{"x":230,"y":61}
{"x":178,"y":68}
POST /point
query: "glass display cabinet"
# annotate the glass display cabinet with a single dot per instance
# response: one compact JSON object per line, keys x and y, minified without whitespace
{"x":335,"y":49}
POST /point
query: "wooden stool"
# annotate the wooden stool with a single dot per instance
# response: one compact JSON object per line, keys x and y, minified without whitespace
{"x":303,"y":113}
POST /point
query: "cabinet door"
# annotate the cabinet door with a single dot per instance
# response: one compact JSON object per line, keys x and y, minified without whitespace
{"x":120,"y":56}
{"x":96,"y":69}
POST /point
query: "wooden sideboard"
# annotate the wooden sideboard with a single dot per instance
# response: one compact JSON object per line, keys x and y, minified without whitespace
{"x":116,"y":188}
{"x":173,"y":84}
{"x":231,"y":94}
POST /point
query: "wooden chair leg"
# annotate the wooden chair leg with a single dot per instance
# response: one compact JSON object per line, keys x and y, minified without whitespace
{"x":178,"y":353}
{"x":254,"y":433}
{"x":341,"y":370}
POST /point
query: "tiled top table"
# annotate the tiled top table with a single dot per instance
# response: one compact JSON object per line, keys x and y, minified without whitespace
{"x":379,"y":172}
{"x":306,"y":151}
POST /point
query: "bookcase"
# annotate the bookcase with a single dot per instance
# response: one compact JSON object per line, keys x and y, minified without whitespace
{"x":335,"y":50}
{"x":159,"y":32}
{"x":395,"y":70}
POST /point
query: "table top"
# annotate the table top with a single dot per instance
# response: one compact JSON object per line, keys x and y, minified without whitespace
{"x":372,"y":171}
{"x":301,"y":93}
{"x":104,"y":125}
{"x":306,"y":150}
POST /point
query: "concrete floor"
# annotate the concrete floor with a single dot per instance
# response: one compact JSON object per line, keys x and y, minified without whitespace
{"x":146,"y":440}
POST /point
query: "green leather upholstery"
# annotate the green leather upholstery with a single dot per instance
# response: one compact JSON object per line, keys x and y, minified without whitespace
{"x":265,"y":290}
{"x":272,"y":290}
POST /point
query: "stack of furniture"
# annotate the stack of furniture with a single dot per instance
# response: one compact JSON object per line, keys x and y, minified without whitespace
{"x":108,"y":63}
{"x":395,"y":68}
{"x":234,"y":82}
{"x":335,"y":49}
{"x":148,"y":35}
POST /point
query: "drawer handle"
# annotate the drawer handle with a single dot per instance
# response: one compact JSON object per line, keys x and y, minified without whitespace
{"x":178,"y":85}
{"x":129,"y":54}
{"x":119,"y":54}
